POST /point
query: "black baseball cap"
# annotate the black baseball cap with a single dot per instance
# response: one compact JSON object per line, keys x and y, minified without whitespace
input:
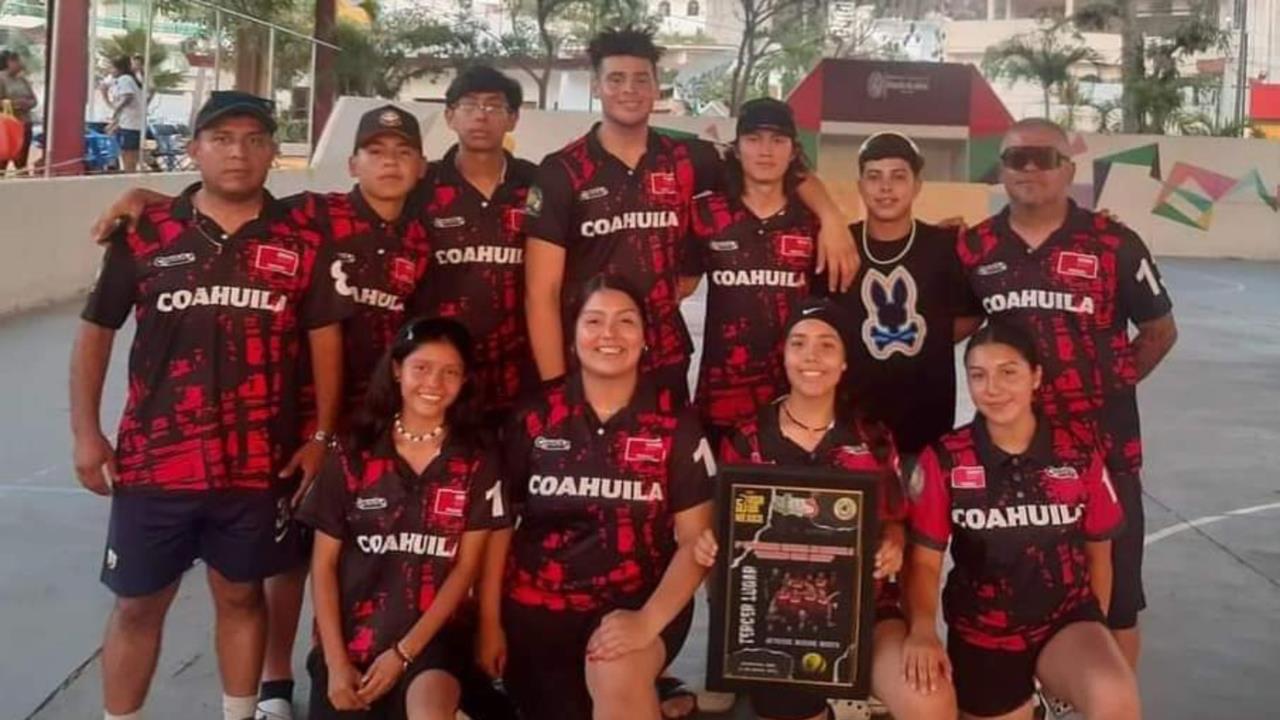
{"x":817,"y":308}
{"x":890,"y":144}
{"x":226,"y":103}
{"x":388,"y":120}
{"x":766,"y":114}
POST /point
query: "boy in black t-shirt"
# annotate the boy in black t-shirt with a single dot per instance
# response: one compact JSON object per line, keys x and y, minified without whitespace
{"x":909,"y":302}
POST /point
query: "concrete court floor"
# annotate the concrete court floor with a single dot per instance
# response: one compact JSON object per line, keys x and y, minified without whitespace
{"x":1212,"y":424}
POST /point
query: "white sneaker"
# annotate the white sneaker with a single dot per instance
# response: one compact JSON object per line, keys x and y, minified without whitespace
{"x":851,"y":709}
{"x":715,"y":702}
{"x":1056,"y":707}
{"x":274,"y":709}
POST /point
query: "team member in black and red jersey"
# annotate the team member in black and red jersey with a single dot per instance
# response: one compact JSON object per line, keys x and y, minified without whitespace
{"x":475,"y":199}
{"x":909,"y":302}
{"x":618,"y":201}
{"x":224,"y":288}
{"x":1029,"y":511}
{"x":1078,"y":279}
{"x":756,"y":244}
{"x":611,"y":480}
{"x":821,"y":424}
{"x":402,"y":511}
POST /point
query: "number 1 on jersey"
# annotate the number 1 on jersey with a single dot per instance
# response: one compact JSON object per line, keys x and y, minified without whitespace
{"x":1148,"y":275}
{"x":494,"y":495}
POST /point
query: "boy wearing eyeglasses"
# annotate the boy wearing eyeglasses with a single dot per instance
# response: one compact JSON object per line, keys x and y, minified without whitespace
{"x":909,"y":302}
{"x":473,"y":199}
{"x":1077,"y":280}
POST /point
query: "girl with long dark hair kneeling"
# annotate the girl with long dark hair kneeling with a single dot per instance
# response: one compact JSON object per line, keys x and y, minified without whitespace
{"x":402,"y":511}
{"x":820,"y":424}
{"x":1029,"y":512}
{"x":611,"y":480}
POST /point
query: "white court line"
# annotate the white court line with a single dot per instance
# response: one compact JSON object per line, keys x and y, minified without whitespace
{"x":1232,"y":287}
{"x":1176,"y":528}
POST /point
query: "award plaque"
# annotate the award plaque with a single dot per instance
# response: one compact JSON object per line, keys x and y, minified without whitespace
{"x":792,"y":606}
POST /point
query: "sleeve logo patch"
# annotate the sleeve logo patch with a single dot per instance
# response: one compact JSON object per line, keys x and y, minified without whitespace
{"x":1081,"y":265}
{"x":277,"y":260}
{"x":403,"y":271}
{"x":662,"y":183}
{"x":533,"y":202}
{"x":641,"y":449}
{"x":800,"y":246}
{"x":450,"y":503}
{"x":968,"y":477}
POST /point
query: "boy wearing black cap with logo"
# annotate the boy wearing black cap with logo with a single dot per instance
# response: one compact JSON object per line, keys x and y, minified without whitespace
{"x":222,"y":284}
{"x":909,"y":303}
{"x":756,"y":244}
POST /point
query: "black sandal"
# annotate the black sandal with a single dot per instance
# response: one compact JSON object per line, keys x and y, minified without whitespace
{"x":673,"y":688}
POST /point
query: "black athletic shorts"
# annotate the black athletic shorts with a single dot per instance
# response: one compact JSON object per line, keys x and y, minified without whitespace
{"x":448,"y":651}
{"x":791,"y":705}
{"x":547,"y":652}
{"x":1127,"y":595}
{"x":152,"y":538}
{"x":996,"y":682}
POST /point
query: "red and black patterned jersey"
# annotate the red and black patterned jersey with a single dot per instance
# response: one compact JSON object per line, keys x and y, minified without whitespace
{"x":400,"y":531}
{"x":213,"y":383}
{"x":597,"y":501}
{"x":1077,"y":293}
{"x":625,"y":221}
{"x":757,"y":269}
{"x":477,"y":272}
{"x":903,"y":305}
{"x":847,"y":446}
{"x":1017,"y":526}
{"x":376,"y":263}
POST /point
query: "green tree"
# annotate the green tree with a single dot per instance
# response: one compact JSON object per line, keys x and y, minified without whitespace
{"x":1045,"y":56}
{"x":245,"y":42}
{"x":134,"y":42}
{"x":378,"y":59}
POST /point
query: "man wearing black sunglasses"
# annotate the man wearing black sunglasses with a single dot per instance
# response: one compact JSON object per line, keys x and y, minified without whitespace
{"x":1078,"y":279}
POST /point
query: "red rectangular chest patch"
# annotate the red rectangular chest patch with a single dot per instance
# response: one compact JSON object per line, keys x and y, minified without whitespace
{"x":513,"y":219}
{"x":662,"y":183}
{"x":641,"y":449}
{"x":795,"y":246}
{"x":1080,"y":265}
{"x":968,"y":477}
{"x":403,"y":271}
{"x":450,"y":503}
{"x":277,"y":260}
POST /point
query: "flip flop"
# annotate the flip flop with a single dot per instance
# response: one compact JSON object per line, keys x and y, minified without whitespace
{"x":671,"y":688}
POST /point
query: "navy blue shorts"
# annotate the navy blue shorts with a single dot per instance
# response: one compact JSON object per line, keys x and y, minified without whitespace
{"x":153,"y":537}
{"x":1127,"y":595}
{"x":129,"y":139}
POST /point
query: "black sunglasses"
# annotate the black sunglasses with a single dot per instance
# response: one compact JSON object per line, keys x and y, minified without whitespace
{"x":1039,"y":156}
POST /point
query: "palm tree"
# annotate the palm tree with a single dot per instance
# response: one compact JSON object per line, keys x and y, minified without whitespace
{"x":1045,"y":56}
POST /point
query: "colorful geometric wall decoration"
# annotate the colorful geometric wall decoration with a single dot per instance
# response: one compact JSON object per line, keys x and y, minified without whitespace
{"x":1190,"y":192}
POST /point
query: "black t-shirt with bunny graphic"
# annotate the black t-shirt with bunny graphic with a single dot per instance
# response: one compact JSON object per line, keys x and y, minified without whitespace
{"x":903,"y":305}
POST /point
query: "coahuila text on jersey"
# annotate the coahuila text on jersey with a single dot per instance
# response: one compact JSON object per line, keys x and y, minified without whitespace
{"x":1016,"y":516}
{"x":371,"y":297}
{"x":495,"y":254}
{"x":642,"y":220}
{"x":596,"y":487}
{"x":226,"y":295}
{"x":1038,"y":299}
{"x":770,"y":278}
{"x":407,"y":542}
